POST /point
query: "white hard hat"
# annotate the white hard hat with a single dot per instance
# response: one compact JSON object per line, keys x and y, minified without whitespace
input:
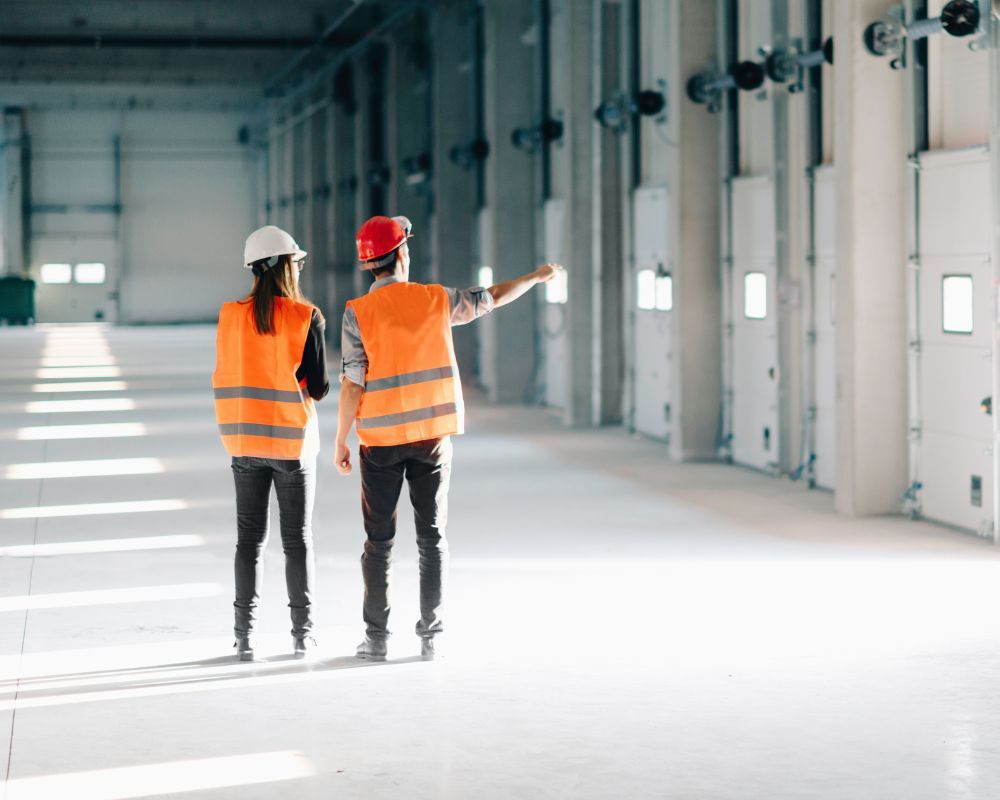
{"x":268,"y":242}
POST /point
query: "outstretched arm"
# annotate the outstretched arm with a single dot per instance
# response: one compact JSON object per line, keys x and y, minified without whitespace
{"x":350,"y":399}
{"x":509,"y":291}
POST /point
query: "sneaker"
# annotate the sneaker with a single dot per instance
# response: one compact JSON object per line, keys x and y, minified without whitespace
{"x":303,"y":646}
{"x":244,"y":650}
{"x":428,"y":651}
{"x":372,"y":649}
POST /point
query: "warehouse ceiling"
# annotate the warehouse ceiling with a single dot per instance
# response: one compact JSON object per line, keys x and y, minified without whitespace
{"x":177,"y":42}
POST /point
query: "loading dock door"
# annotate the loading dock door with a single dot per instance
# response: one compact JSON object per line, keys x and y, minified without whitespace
{"x":953,"y":355}
{"x":754,"y":325}
{"x":554,"y":311}
{"x":824,"y":365}
{"x":652,"y":293}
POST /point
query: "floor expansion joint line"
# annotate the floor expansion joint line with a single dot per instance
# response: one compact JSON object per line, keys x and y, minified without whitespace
{"x":27,"y":611}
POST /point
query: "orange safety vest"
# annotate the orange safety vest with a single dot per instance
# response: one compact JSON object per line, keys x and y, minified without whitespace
{"x":262,"y":410}
{"x":412,"y":389}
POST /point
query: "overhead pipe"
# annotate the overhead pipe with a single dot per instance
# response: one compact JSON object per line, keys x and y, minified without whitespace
{"x":333,"y":65}
{"x":885,"y":37}
{"x":275,"y":83}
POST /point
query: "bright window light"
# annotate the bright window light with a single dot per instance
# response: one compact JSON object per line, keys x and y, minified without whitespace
{"x":110,"y":430}
{"x":80,"y":386}
{"x":54,"y":373}
{"x":79,"y":361}
{"x":102,"y":546}
{"x":74,"y":406}
{"x":175,"y":777}
{"x":91,"y":272}
{"x":557,"y":289}
{"x":646,"y":290}
{"x":755,"y":295}
{"x":956,"y":303}
{"x":486,"y":276}
{"x":93,"y":509}
{"x":105,"y":597}
{"x":83,"y":469}
{"x":56,"y":273}
{"x":664,"y":292}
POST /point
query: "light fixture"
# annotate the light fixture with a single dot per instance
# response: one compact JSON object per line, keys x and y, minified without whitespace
{"x":528,"y":140}
{"x":783,"y":65}
{"x":614,"y":115}
{"x":706,"y":88}
{"x":885,"y":37}
{"x":466,"y":156}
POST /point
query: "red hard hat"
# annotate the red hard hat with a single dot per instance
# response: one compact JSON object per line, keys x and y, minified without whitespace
{"x":379,"y":236}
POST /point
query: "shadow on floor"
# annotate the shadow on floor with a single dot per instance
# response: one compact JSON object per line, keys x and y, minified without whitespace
{"x":197,"y":674}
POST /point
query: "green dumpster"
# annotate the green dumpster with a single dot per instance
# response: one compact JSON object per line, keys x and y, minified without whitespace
{"x":17,"y":300}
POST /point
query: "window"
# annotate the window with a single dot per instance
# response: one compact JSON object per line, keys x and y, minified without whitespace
{"x":89,"y":273}
{"x":646,"y":297}
{"x":755,"y":295}
{"x":486,"y":276}
{"x":557,"y":289}
{"x":956,"y":303}
{"x":664,"y":292}
{"x":56,"y":273}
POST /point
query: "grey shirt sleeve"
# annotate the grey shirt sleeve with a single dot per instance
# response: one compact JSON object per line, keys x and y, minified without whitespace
{"x":354,"y":365}
{"x":469,"y":304}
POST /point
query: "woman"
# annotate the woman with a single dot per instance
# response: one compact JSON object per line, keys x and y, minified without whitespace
{"x":270,"y":367}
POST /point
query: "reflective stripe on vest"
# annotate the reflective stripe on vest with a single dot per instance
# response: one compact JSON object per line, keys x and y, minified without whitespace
{"x":260,"y":407}
{"x":412,"y":390}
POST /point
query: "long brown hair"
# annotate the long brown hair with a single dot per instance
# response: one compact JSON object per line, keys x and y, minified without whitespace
{"x":277,"y":281}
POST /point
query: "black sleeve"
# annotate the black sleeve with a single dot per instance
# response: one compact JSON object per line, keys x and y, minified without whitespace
{"x":313,"y":366}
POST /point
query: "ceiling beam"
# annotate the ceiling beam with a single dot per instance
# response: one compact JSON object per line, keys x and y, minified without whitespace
{"x":98,"y":41}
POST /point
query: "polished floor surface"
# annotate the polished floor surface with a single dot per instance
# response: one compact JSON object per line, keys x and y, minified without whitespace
{"x":619,"y":627}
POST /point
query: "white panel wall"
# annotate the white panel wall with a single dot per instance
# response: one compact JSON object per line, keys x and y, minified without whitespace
{"x":188,"y":195}
{"x":554,"y":315}
{"x":954,"y":370}
{"x":824,"y":317}
{"x":652,"y":370}
{"x":755,"y":341}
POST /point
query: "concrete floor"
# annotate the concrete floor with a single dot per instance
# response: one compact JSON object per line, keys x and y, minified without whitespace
{"x":618,"y":626}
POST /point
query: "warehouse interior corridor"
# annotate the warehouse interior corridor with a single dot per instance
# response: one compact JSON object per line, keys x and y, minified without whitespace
{"x":674,"y":324}
{"x":620,"y":622}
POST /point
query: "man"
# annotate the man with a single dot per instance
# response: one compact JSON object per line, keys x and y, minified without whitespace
{"x":400,"y":383}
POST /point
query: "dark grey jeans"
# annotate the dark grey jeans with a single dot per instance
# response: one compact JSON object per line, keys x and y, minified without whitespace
{"x":426,"y":466}
{"x":295,"y":486}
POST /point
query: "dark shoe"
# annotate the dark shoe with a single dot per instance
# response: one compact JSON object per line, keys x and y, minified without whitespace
{"x":303,"y":646}
{"x":372,"y":649}
{"x":428,"y":652}
{"x":244,"y":650}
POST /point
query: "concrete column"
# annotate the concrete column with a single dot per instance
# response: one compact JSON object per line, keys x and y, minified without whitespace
{"x":789,"y":168}
{"x":871,"y":266}
{"x":362,"y":153}
{"x":453,"y":123}
{"x":341,"y":211}
{"x":409,"y":129}
{"x":12,"y":222}
{"x":305,"y":201}
{"x":582,"y":235}
{"x":509,"y":101}
{"x":694,"y":167}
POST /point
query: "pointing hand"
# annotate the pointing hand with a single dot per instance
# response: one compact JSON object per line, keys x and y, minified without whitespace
{"x":548,"y":272}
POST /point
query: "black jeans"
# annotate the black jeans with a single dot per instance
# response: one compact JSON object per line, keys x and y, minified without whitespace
{"x":427,"y":468}
{"x":295,"y":485}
